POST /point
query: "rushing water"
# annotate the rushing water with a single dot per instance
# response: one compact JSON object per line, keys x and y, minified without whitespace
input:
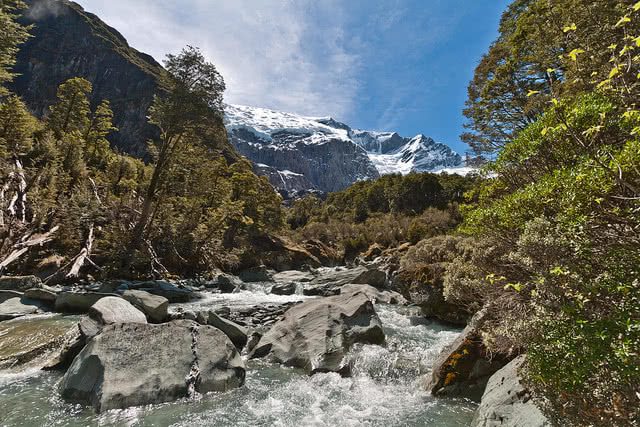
{"x":384,"y":388}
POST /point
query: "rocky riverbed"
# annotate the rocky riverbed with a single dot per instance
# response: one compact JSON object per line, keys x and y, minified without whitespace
{"x":367,"y":371}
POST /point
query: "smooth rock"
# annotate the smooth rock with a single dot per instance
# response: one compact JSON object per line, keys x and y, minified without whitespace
{"x":153,"y":306}
{"x":373,"y":277}
{"x":506,"y":402}
{"x":110,"y":310}
{"x":131,"y":364}
{"x":236,"y":333}
{"x":17,"y":307}
{"x":293,"y":276}
{"x":317,"y":334}
{"x":77,"y":302}
{"x":329,"y":280}
{"x":375,"y":295}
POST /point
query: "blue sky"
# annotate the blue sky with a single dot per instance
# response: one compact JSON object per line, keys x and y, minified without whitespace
{"x":399,"y":65}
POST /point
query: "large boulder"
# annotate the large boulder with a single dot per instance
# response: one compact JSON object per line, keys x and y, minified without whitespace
{"x":317,"y":334}
{"x":236,"y":333}
{"x":464,"y":367}
{"x":131,"y":364}
{"x":110,"y":310}
{"x":372,"y":276}
{"x":375,"y":295}
{"x":223,"y":282}
{"x":17,"y":307}
{"x":329,"y":280}
{"x":19,"y":283}
{"x":153,"y":306}
{"x":78,"y":302}
{"x":506,"y":402}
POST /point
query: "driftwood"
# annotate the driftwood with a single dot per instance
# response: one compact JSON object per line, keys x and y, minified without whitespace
{"x":76,"y":263}
{"x":27,"y":242}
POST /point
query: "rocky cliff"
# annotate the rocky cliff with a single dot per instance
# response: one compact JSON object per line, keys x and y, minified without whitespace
{"x":70,"y":42}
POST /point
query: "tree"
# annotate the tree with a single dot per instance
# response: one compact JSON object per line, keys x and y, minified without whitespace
{"x":71,"y":111}
{"x":12,"y":35}
{"x":192,"y":105}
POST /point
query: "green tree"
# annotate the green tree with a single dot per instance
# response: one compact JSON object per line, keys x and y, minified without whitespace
{"x":71,"y":111}
{"x":12,"y":35}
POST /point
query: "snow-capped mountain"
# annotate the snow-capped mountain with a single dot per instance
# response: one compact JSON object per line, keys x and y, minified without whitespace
{"x":301,"y":153}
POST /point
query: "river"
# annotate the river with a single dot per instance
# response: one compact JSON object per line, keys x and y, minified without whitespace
{"x":383,"y":390}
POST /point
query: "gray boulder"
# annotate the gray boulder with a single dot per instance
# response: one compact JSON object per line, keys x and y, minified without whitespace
{"x":225,"y":283}
{"x":256,"y":274}
{"x":44,"y":294}
{"x":153,"y":306}
{"x":78,"y":302}
{"x":506,"y":402}
{"x":174,"y":293}
{"x":329,"y":281}
{"x":373,"y":277}
{"x":236,"y":333}
{"x":283,"y":289}
{"x":375,"y":295}
{"x":110,"y":310}
{"x":19,"y":283}
{"x":317,"y":334}
{"x":17,"y":307}
{"x":295,"y":276}
{"x":131,"y":364}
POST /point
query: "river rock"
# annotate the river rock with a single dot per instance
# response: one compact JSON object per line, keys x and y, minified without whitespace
{"x":19,"y":283}
{"x":6,"y":295}
{"x":465,"y":366}
{"x":317,"y":334}
{"x":131,"y":364}
{"x":44,"y":294}
{"x":256,"y":274}
{"x":293,"y":276}
{"x":174,"y":293}
{"x":283,"y":288}
{"x":225,"y":283}
{"x":78,"y":302}
{"x":372,"y":276}
{"x":506,"y":402}
{"x":375,"y":295}
{"x":17,"y":307}
{"x":236,"y":333}
{"x":110,"y":310}
{"x":329,"y":280}
{"x":153,"y":306}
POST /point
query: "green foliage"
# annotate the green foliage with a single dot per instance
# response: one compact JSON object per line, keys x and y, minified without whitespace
{"x":12,"y":35}
{"x":563,"y":209}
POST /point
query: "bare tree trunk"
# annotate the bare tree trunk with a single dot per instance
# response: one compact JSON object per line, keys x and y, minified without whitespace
{"x":18,"y":204}
{"x":23,"y":246}
{"x":83,"y":256}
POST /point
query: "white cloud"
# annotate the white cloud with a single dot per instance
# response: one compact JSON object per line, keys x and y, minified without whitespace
{"x":281,"y":54}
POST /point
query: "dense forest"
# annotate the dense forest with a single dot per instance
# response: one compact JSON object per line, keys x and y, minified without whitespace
{"x":545,"y":238}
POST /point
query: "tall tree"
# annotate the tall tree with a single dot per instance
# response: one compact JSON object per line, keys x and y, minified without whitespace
{"x":11,"y":36}
{"x":192,"y":105}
